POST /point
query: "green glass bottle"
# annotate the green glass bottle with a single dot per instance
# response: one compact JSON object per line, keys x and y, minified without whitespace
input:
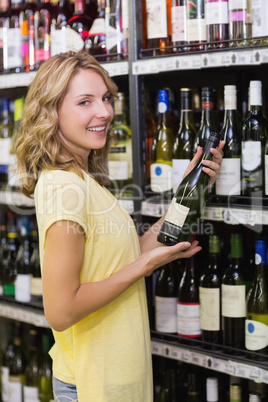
{"x":30,"y":388}
{"x":188,"y":202}
{"x":162,"y":147}
{"x":16,"y":367}
{"x":7,"y":356}
{"x":45,"y":370}
{"x":9,"y":260}
{"x":22,"y":263}
{"x":257,"y":305}
{"x":184,"y":140}
{"x":120,"y":154}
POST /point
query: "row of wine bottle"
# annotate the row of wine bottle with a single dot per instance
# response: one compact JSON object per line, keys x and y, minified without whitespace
{"x":225,"y":307}
{"x":26,"y":367}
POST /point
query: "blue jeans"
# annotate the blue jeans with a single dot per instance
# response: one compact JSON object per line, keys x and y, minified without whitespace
{"x":64,"y":392}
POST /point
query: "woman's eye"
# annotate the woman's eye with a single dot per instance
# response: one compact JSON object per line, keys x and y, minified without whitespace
{"x":107,"y":99}
{"x":84,"y":102}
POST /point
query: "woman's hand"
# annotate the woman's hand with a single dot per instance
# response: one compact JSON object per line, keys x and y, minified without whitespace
{"x":210,"y":167}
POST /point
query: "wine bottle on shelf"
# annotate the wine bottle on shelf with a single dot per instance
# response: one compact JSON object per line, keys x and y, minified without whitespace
{"x":28,"y":35}
{"x":217,"y":23}
{"x":22,"y":263}
{"x":166,"y":292}
{"x":235,"y":393}
{"x":12,"y":42}
{"x":7,"y":356}
{"x":3,"y":28}
{"x":257,"y":305}
{"x":13,"y":177}
{"x":212,"y":389}
{"x":208,"y":121}
{"x":193,"y":390}
{"x":168,"y":389}
{"x":30,"y":388}
{"x":234,"y":287}
{"x":210,"y":297}
{"x":229,"y":178}
{"x":3,"y":246}
{"x":259,"y":22}
{"x":178,"y":23}
{"x":254,"y":397}
{"x":240,"y":23}
{"x":120,"y":153}
{"x":150,"y":130}
{"x":6,"y":129}
{"x":162,"y":147}
{"x":188,"y":306}
{"x":259,"y":389}
{"x":186,"y":207}
{"x":42,"y":25}
{"x":9,"y":265}
{"x":116,"y":28}
{"x":36,"y":288}
{"x":96,"y":42}
{"x":184,"y":140}
{"x":16,"y":367}
{"x":80,"y":22}
{"x":196,"y":25}
{"x":45,"y":370}
{"x":255,"y":135}
{"x":157,"y":26}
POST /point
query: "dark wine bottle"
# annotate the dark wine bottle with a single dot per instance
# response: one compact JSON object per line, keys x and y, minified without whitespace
{"x":22,"y":263}
{"x":210,"y":297}
{"x":257,"y":305}
{"x":35,"y":270}
{"x":30,"y":388}
{"x":9,"y":266}
{"x":168,"y":388}
{"x":8,"y":354}
{"x":229,"y":177}
{"x":162,"y":147}
{"x":188,"y":307}
{"x":255,"y":135}
{"x":188,"y":202}
{"x":17,"y":367}
{"x":45,"y":370}
{"x":235,"y":283}
{"x":208,"y":121}
{"x":166,"y":291}
{"x":193,"y":391}
{"x":184,"y":140}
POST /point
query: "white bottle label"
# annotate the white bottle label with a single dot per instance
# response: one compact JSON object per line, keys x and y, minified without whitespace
{"x":216,"y":12}
{"x":233,"y":301}
{"x":251,"y":155}
{"x":5,"y":144}
{"x":36,"y":286}
{"x":178,"y":168}
{"x":266,"y":174}
{"x":13,"y":44}
{"x":228,"y":180}
{"x":176,"y":213}
{"x":256,"y":335}
{"x":23,"y":288}
{"x":188,"y":319}
{"x":30,"y":394}
{"x":178,"y":21}
{"x":156,"y":19}
{"x":166,"y":314}
{"x":209,"y":309}
{"x":161,"y":177}
{"x":196,"y":30}
{"x":118,"y":170}
{"x":4,"y":382}
{"x":259,"y":17}
{"x":14,"y":389}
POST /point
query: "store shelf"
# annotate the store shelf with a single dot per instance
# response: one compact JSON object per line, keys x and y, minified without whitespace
{"x":202,"y":60}
{"x":24,"y":313}
{"x":220,"y":363}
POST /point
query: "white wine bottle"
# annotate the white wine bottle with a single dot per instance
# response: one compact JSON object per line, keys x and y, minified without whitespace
{"x":188,"y":202}
{"x":257,"y":305}
{"x":162,"y":147}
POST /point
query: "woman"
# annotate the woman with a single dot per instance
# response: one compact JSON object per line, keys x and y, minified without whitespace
{"x":93,"y":263}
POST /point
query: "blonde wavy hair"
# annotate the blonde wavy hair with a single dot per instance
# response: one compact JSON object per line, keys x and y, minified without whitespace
{"x":38,"y":146}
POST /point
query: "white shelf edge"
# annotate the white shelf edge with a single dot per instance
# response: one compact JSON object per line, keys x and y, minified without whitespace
{"x":23,"y":314}
{"x":222,"y":365}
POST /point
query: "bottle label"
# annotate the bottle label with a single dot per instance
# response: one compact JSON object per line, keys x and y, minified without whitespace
{"x":156,"y":12}
{"x":233,"y":301}
{"x":228,"y":180}
{"x":23,"y":288}
{"x":216,"y":12}
{"x":5,"y":144}
{"x":188,"y":320}
{"x":266,"y":174}
{"x":161,"y":177}
{"x":209,"y":309}
{"x":178,"y":21}
{"x":36,"y":286}
{"x":9,"y":289}
{"x":196,"y":30}
{"x":177,"y":213}
{"x":178,"y":168}
{"x":259,"y":18}
{"x":30,"y":394}
{"x":251,"y":163}
{"x":166,"y":314}
{"x":13,"y":44}
{"x":256,"y":335}
{"x":14,"y":389}
{"x":118,"y":170}
{"x":4,"y":383}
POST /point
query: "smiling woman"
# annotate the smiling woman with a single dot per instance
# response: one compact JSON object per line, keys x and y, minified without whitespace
{"x":93,"y":263}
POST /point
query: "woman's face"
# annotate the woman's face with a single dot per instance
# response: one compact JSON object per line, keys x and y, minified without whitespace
{"x":85,"y":114}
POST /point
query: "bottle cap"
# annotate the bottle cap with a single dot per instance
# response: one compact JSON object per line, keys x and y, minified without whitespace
{"x":214,"y":244}
{"x":212,"y":389}
{"x":236,"y":245}
{"x":260,"y":252}
{"x":163,"y":101}
{"x":254,"y":397}
{"x":235,"y":392}
{"x":255,"y":93}
{"x":230,"y":101}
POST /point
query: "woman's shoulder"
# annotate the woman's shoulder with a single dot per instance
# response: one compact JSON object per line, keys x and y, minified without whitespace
{"x":59,"y":176}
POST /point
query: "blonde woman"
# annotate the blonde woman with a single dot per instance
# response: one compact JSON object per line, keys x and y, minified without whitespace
{"x":93,"y":262}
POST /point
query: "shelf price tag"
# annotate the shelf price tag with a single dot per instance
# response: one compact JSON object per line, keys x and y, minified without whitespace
{"x":213,"y":59}
{"x":263,"y":54}
{"x":117,"y":68}
{"x":244,"y":217}
{"x":144,"y":67}
{"x":186,"y":356}
{"x":254,"y":373}
{"x":239,"y":58}
{"x":176,"y":353}
{"x":212,"y":213}
{"x":264,"y":376}
{"x":166,"y":64}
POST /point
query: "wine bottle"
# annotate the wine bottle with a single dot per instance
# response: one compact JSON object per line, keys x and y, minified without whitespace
{"x":8,"y":354}
{"x":9,"y":266}
{"x":36,"y":288}
{"x":116,"y":28}
{"x":3,"y":247}
{"x":45,"y":370}
{"x":162,"y":147}
{"x":235,"y":393}
{"x":12,"y":42}
{"x":166,"y":291}
{"x":257,"y":305}
{"x":28,"y":35}
{"x":188,"y":306}
{"x":212,"y":389}
{"x":229,"y":178}
{"x":6,"y":129}
{"x":42,"y":26}
{"x":234,"y":287}
{"x":30,"y":388}
{"x":196,"y":25}
{"x":188,"y":202}
{"x":150,"y":130}
{"x":193,"y":391}
{"x":13,"y":177}
{"x":179,"y":27}
{"x":255,"y":135}
{"x":184,"y":140}
{"x":259,"y":22}
{"x":17,"y":367}
{"x":208,"y":121}
{"x":240,"y":23}
{"x":217,"y":23}
{"x":22,"y":263}
{"x":80,"y":22}
{"x":96,"y":42}
{"x":254,"y":397}
{"x":3,"y":28}
{"x":168,"y":388}
{"x":157,"y":26}
{"x":120,"y":154}
{"x":210,"y":297}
